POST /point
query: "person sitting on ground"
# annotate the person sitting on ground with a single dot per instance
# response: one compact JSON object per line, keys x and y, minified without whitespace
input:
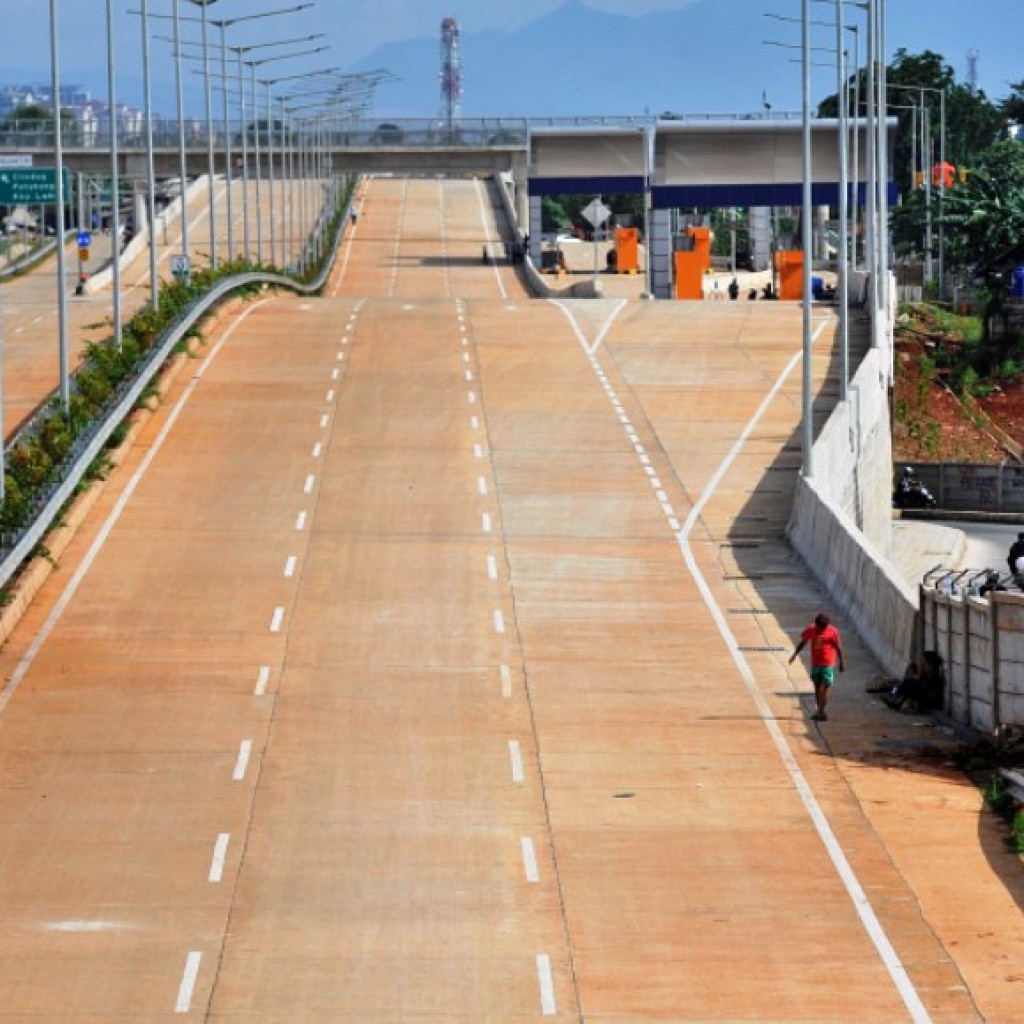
{"x":921,"y":686}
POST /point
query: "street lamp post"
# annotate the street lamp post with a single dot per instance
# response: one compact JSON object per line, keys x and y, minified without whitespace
{"x":807,"y":432}
{"x":203,"y":4}
{"x":147,"y":86}
{"x":182,"y":166}
{"x":115,"y":178}
{"x":58,"y":145}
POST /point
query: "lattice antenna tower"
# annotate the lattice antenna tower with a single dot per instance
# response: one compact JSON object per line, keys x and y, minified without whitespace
{"x":973,"y":59}
{"x":451,"y":71}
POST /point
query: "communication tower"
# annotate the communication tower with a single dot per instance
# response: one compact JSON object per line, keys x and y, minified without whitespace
{"x":451,"y":71}
{"x":973,"y":57}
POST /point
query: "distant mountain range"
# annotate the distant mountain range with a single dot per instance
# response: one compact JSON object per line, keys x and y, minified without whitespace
{"x":709,"y":57}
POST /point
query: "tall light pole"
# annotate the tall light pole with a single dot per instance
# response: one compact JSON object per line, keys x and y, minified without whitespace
{"x":807,"y":433}
{"x":202,"y":5}
{"x":843,"y":254}
{"x":58,"y":146}
{"x":115,"y":176}
{"x":182,"y":167}
{"x":147,"y":87}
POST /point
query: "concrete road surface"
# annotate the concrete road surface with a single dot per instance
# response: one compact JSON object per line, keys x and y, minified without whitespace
{"x":426,"y":661}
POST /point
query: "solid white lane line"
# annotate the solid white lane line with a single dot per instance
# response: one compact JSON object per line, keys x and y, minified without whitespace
{"x":529,"y":859}
{"x":481,"y":486}
{"x":242,"y":764}
{"x":309,"y":484}
{"x":516,"y":756}
{"x":548,"y":1006}
{"x":278,"y":620}
{"x":487,"y":523}
{"x":300,"y":522}
{"x":188,"y":982}
{"x":499,"y":622}
{"x":220,"y":853}
{"x":101,"y":538}
{"x":317,"y":449}
{"x":506,"y":682}
{"x":492,"y":567}
{"x":894,"y":965}
{"x":289,"y":566}
{"x":483,"y":221}
{"x":262,"y":680}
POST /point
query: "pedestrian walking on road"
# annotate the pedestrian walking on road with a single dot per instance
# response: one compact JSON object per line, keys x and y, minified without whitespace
{"x":826,"y":653}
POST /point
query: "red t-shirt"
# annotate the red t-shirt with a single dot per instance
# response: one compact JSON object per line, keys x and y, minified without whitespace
{"x":824,"y":645}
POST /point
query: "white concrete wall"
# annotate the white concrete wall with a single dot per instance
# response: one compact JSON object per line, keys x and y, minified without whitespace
{"x":841,"y":524}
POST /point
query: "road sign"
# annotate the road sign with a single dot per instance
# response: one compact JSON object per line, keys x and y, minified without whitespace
{"x":84,"y":239}
{"x":596,"y":213}
{"x":180,"y":265}
{"x":83,"y":253}
{"x":9,"y":160}
{"x":36,"y":186}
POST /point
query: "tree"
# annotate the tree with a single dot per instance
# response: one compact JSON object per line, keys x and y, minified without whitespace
{"x":1012,"y":107}
{"x":32,"y":125}
{"x":972,"y":122}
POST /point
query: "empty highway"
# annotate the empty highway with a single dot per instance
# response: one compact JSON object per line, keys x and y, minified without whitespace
{"x":425,"y":660}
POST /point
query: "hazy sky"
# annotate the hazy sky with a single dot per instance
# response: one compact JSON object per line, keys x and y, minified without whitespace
{"x":356,"y":27}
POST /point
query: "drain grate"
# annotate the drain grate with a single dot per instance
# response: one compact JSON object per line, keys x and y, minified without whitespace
{"x":741,"y":545}
{"x":740,"y":579}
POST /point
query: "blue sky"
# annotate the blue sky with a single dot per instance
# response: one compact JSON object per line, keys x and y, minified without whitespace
{"x":355,"y":28}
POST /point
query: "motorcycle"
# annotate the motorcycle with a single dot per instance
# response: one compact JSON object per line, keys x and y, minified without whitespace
{"x":911,"y":493}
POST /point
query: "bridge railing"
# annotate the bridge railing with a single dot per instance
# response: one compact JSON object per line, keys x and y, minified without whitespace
{"x":470,"y":133}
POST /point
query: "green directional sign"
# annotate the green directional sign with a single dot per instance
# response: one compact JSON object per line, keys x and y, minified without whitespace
{"x":30,"y":186}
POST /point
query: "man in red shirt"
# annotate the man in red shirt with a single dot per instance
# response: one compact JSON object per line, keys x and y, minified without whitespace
{"x":826,"y":651}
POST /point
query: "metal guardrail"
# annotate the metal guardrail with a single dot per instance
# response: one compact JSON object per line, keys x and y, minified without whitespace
{"x":90,"y":444}
{"x":1013,"y":782}
{"x":29,"y":260}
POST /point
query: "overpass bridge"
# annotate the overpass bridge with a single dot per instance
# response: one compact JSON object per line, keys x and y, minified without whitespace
{"x":702,"y":161}
{"x":427,"y":657}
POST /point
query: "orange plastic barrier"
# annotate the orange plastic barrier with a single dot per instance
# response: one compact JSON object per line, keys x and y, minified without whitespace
{"x":790,"y":268}
{"x":627,"y":250}
{"x":689,"y":269}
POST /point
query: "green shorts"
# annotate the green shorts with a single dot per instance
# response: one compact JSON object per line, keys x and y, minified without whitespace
{"x":823,"y":675}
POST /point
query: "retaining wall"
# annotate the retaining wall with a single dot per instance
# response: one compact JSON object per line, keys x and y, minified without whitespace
{"x":841,"y":523}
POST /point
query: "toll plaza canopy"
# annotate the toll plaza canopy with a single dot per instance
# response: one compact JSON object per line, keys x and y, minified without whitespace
{"x":588,"y":161}
{"x":707,"y":164}
{"x":753,"y":163}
